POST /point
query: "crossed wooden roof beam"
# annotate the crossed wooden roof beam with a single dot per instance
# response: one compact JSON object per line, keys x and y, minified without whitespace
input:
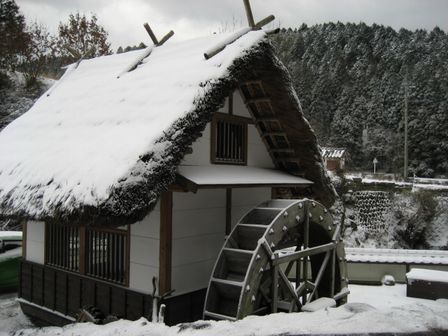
{"x":252,"y":26}
{"x":148,"y":51}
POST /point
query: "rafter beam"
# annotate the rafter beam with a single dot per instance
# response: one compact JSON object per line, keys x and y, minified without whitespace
{"x":258,"y":100}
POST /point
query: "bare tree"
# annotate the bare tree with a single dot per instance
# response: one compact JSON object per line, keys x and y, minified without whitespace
{"x":39,"y":52}
{"x":82,"y":36}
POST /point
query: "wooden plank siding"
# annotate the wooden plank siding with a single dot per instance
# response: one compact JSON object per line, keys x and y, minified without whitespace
{"x":67,"y":292}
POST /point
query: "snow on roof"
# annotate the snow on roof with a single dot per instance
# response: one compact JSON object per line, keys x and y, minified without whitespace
{"x":427,"y":275}
{"x":238,"y":175}
{"x":373,"y":255}
{"x":100,"y":149}
{"x":333,"y":153}
{"x":74,"y":145}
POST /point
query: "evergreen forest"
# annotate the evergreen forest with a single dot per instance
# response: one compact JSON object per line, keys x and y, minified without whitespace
{"x":353,"y":81}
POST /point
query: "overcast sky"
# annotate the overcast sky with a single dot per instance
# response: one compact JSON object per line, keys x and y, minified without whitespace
{"x":123,"y":19}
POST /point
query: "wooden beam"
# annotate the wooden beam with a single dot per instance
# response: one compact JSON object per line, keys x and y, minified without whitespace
{"x":82,"y":249}
{"x":249,"y":15}
{"x":281,"y":150}
{"x":259,"y":120}
{"x":258,"y":100}
{"x":265,"y":21}
{"x":231,"y":103}
{"x":128,"y":256}
{"x":303,"y":253}
{"x":151,"y":33}
{"x":228,"y":210}
{"x":165,"y":38}
{"x":24,"y":238}
{"x":270,"y":134}
{"x":220,"y":47}
{"x":166,"y":234}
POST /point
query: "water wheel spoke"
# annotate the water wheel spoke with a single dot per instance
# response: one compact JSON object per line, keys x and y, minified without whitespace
{"x":319,"y":275}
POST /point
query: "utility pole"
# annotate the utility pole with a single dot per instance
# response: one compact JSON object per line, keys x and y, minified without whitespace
{"x":405,"y":156}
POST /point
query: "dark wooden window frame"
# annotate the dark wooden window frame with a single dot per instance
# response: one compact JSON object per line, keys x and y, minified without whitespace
{"x":83,"y":251}
{"x":231,"y":120}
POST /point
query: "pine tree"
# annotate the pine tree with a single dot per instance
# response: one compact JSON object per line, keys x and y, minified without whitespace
{"x":350,"y":78}
{"x":13,"y":38}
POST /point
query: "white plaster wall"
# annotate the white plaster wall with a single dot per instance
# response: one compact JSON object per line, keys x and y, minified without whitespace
{"x":239,"y":108}
{"x":244,"y":199}
{"x":144,"y":252}
{"x":257,"y":156}
{"x":35,"y":242}
{"x":198,"y":235}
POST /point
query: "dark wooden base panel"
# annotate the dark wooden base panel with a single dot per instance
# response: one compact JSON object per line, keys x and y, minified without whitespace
{"x":66,"y":292}
{"x":423,"y":289}
{"x":185,"y":308}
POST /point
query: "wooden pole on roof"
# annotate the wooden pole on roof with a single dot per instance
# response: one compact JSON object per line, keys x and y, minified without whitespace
{"x":148,"y":51}
{"x":250,"y":16}
{"x":252,"y":26}
{"x":151,"y":33}
{"x":154,"y":38}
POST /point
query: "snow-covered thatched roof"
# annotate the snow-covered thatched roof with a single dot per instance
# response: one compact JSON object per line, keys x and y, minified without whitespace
{"x":101,"y":149}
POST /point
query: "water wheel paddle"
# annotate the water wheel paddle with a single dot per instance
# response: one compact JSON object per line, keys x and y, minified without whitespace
{"x":281,"y":255}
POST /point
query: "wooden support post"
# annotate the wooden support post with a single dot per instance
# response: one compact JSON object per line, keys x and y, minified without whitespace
{"x":333,"y":271}
{"x":250,"y":16}
{"x":228,"y":210}
{"x":274,"y":289}
{"x":306,"y":235}
{"x":320,"y":275}
{"x":231,"y":103}
{"x":82,"y":249}
{"x":24,"y":238}
{"x":166,"y":233}
{"x":298,"y":263}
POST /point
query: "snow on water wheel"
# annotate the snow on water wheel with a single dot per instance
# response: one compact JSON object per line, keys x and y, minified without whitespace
{"x":280,"y":256}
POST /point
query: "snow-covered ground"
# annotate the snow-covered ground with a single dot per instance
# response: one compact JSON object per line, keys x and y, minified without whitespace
{"x":370,"y":309}
{"x":11,"y":317}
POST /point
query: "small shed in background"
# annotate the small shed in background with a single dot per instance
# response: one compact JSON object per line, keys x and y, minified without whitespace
{"x":334,"y":158}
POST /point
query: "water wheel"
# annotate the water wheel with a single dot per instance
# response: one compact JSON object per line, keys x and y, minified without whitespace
{"x":281,"y":255}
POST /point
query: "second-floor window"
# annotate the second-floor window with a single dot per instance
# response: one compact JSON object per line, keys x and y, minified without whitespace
{"x":229,"y":139}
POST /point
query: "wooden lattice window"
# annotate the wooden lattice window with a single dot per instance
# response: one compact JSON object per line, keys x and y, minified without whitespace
{"x":107,"y":254}
{"x":96,"y":252}
{"x":229,"y":139}
{"x":62,"y":247}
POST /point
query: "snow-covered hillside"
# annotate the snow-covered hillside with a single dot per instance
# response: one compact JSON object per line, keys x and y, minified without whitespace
{"x":16,"y":99}
{"x":393,"y":214}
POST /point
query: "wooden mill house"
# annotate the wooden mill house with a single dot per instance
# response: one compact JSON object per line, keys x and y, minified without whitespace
{"x":137,"y":165}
